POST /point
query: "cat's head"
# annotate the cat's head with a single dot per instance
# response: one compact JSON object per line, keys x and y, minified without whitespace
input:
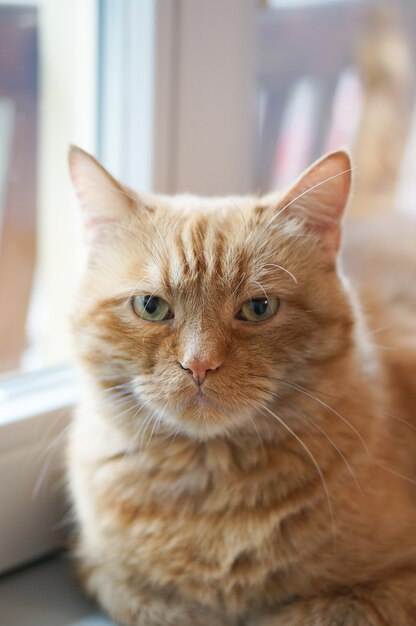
{"x":204,"y":313}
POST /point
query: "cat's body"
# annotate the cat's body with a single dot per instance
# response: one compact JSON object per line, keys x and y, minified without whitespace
{"x":226,"y":471}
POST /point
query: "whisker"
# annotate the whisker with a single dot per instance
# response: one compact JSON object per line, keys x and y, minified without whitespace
{"x":255,"y":282}
{"x":307,"y":393}
{"x":241,"y":214}
{"x":293,"y":277}
{"x":257,"y":430}
{"x":311,"y":457}
{"x":137,"y":200}
{"x":362,"y":405}
{"x":333,"y":443}
{"x":322,"y":182}
{"x":157,"y":422}
{"x":243,"y":276}
{"x":156,"y":229}
{"x":375,"y":331}
{"x":395,"y":473}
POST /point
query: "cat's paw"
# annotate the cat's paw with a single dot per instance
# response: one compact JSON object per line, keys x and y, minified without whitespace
{"x":152,"y":611}
{"x":318,"y":613}
{"x":128,"y":605}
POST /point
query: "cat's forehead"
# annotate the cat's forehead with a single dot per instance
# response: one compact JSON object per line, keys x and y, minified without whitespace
{"x":219,"y":243}
{"x":205,"y":244}
{"x":190,"y":204}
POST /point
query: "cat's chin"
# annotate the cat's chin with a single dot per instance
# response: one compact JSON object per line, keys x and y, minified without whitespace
{"x":203,"y":418}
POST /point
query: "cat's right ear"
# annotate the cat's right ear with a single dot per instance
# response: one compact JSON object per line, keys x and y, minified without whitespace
{"x":103,"y":200}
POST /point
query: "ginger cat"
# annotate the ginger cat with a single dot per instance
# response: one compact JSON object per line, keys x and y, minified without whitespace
{"x":243,"y":454}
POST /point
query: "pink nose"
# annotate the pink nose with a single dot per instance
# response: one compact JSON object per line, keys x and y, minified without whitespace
{"x":199,"y":368}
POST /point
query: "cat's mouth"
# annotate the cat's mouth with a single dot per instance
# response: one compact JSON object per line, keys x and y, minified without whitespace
{"x":203,"y":401}
{"x":201,"y":415}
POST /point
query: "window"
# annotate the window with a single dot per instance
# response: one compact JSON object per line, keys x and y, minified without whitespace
{"x":47,"y":100}
{"x":171,"y":98}
{"x":41,"y":110}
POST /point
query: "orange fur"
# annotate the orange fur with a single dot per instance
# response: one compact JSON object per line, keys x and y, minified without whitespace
{"x":278,"y":493}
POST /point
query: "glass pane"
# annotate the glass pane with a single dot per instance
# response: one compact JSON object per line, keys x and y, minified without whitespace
{"x":333,"y":73}
{"x":46,"y":102}
{"x":18,"y":185}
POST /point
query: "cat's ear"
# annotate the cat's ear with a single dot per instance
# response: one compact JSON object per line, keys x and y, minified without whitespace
{"x":103,"y":200}
{"x":319,"y":198}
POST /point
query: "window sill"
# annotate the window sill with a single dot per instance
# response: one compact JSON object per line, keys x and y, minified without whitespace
{"x":34,"y":414}
{"x":45,"y":595}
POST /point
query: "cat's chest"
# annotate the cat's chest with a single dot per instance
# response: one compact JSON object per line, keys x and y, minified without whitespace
{"x":201,"y":520}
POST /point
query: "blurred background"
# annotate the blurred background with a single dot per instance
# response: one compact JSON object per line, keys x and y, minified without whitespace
{"x":203,"y":96}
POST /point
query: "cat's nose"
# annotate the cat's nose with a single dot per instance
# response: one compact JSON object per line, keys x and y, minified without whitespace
{"x":199,"y":368}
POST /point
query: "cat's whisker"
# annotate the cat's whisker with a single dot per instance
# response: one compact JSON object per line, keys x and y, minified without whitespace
{"x":312,"y":459}
{"x":112,"y":188}
{"x":176,"y":433}
{"x":143,"y":405}
{"x":128,"y":410}
{"x":395,"y":473}
{"x":332,"y":442}
{"x":120,"y":401}
{"x":375,"y":331}
{"x":110,"y":377}
{"x":307,"y":393}
{"x":304,"y":193}
{"x":293,"y":277}
{"x":381,"y":347}
{"x":137,"y":406}
{"x":157,"y":231}
{"x":117,"y":397}
{"x":131,"y":291}
{"x":142,"y":429}
{"x":45,"y":459}
{"x":125,"y":385}
{"x":256,"y":429}
{"x":130,"y":196}
{"x":399,"y":419}
{"x":256,"y":282}
{"x":48,"y":451}
{"x":362,"y":405}
{"x":243,"y":276}
{"x":114,"y":393}
{"x":147,"y":420}
{"x":137,"y":234}
{"x":157,"y":422}
{"x":244,"y":221}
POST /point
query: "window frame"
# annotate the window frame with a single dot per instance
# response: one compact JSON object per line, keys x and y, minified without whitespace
{"x":35,"y":413}
{"x":35,"y":406}
{"x":181,"y":44}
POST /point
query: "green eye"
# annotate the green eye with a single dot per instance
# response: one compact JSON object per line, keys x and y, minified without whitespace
{"x":258,"y":309}
{"x":151,"y":308}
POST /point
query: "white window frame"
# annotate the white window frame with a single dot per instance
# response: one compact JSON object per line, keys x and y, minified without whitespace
{"x":35,"y":411}
{"x":189,"y":153}
{"x":34,"y":407}
{"x":196,"y":143}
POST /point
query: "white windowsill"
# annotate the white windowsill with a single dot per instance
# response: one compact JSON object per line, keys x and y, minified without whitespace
{"x":34,"y":413}
{"x":25,"y":395}
{"x":45,"y":594}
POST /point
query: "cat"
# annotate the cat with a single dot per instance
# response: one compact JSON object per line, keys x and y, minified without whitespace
{"x":243,"y":453}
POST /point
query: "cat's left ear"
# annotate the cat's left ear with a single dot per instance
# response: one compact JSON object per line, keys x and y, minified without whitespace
{"x":319,"y":198}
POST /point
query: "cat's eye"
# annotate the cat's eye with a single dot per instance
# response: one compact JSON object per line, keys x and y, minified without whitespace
{"x":151,"y":308}
{"x":258,"y":309}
